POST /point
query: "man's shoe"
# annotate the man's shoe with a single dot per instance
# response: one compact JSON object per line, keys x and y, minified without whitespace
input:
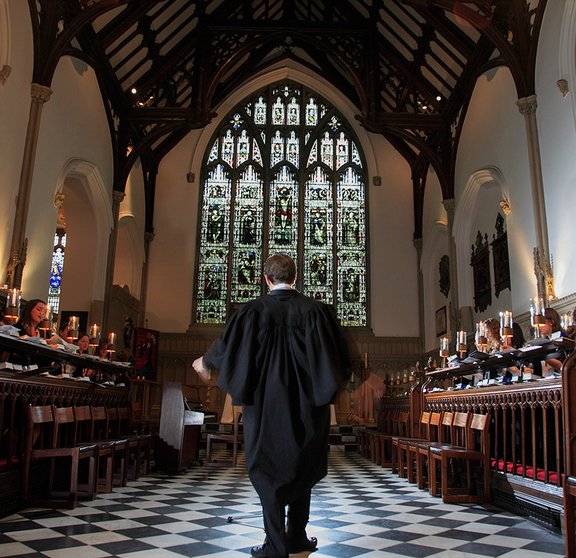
{"x":308,"y":544}
{"x":258,"y":551}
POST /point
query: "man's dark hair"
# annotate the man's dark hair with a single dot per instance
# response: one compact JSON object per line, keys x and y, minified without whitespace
{"x":280,"y":268}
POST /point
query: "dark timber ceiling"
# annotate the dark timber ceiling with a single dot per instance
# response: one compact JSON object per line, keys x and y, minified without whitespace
{"x":408,"y":66}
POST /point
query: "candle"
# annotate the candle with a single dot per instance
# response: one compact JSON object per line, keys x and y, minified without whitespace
{"x":13,"y":298}
{"x":536,"y":312}
{"x":111,"y":339}
{"x":481,"y":339}
{"x":506,"y":331}
{"x":73,"y":323}
{"x":461,"y":337}
{"x":566,"y":321}
{"x":95,"y":332}
{"x":444,"y":347}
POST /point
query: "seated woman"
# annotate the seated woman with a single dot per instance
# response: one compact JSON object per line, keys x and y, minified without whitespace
{"x":83,"y":344}
{"x":32,"y":315}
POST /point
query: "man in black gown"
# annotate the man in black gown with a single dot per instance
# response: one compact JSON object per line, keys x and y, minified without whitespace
{"x":284,"y":357}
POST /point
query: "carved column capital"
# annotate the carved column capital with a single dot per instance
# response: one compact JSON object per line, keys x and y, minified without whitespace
{"x":527,"y":105}
{"x":4,"y":73}
{"x":40,"y":92}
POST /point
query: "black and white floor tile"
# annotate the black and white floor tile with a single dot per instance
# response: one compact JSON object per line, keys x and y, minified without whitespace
{"x":359,"y":509}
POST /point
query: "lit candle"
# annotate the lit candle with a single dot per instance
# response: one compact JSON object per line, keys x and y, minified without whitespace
{"x":536,"y":312}
{"x":111,"y":339}
{"x":73,"y":324}
{"x":506,"y":331}
{"x":13,"y":298}
{"x":95,"y":332}
{"x":461,"y":337}
{"x":566,"y":321}
{"x":481,"y":339}
{"x":444,"y":347}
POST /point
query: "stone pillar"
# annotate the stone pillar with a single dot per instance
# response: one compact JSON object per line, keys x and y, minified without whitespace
{"x":454,"y":311}
{"x":40,"y":94}
{"x":542,"y":262}
{"x":421,"y":321}
{"x":110,"y":262}
{"x":148,"y":238}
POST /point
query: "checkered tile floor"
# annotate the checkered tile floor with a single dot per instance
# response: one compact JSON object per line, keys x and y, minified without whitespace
{"x":358,"y":510}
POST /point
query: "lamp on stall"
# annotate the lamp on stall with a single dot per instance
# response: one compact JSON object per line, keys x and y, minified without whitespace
{"x":45,"y":325}
{"x":444,"y":350}
{"x":481,"y":340}
{"x":506,"y":329}
{"x":73,"y":326}
{"x":537,"y":319}
{"x":94,"y":335}
{"x":111,"y":342}
{"x":13,"y":300}
{"x":461,"y":345}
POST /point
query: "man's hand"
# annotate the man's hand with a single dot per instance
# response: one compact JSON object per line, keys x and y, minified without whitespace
{"x":203,"y":372}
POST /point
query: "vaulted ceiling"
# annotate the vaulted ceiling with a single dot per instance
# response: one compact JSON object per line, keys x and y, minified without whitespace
{"x":408,"y":66}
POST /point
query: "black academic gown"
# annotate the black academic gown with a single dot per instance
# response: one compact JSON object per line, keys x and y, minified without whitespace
{"x":283,"y":356}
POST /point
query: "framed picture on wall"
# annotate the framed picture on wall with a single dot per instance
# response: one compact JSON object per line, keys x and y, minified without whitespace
{"x":145,"y":353}
{"x":441,"y":321}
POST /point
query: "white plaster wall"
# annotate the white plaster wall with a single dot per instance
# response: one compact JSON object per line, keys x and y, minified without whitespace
{"x":173,"y":250}
{"x":14,"y":107}
{"x":494,"y":135}
{"x":557,"y":130}
{"x":73,"y":125}
{"x":393,"y":259}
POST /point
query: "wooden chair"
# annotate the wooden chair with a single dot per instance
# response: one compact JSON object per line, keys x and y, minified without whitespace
{"x":105,"y":479}
{"x":84,"y":433}
{"x":382,"y":450}
{"x":140,"y":445}
{"x":65,"y":434}
{"x":229,"y":438}
{"x":399,"y":446}
{"x":120,"y":455}
{"x":442,"y":424}
{"x":454,"y":459}
{"x":41,"y":444}
{"x":103,"y":436}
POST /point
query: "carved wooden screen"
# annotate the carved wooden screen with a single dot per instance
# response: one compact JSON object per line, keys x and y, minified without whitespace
{"x":284,"y":173}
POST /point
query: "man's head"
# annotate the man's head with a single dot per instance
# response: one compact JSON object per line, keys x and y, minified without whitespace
{"x":280,"y":268}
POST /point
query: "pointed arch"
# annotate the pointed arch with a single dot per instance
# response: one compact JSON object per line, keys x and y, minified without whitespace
{"x":99,"y":198}
{"x":463,"y":222}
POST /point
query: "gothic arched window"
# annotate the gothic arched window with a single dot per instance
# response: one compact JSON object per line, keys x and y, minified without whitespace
{"x":284,"y":173}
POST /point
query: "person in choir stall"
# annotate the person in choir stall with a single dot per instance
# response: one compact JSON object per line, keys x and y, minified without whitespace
{"x":552,"y":328}
{"x":571,"y":330}
{"x":34,"y":312}
{"x":283,"y":357}
{"x":83,"y":344}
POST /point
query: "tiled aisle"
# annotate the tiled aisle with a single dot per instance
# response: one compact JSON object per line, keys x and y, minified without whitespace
{"x":358,"y":510}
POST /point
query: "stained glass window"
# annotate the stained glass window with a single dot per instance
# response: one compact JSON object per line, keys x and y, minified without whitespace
{"x":284,"y":173}
{"x":56,"y":270}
